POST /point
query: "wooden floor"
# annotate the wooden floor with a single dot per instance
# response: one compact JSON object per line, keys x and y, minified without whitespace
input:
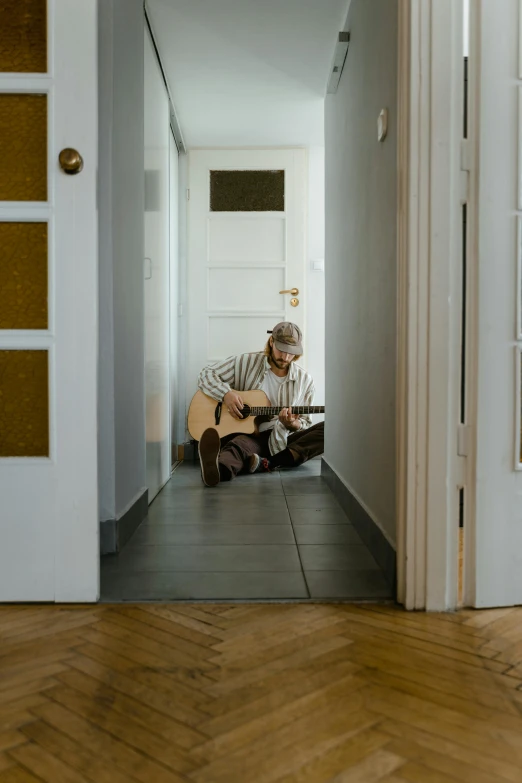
{"x":258,"y":693}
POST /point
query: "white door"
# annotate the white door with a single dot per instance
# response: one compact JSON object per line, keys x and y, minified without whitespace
{"x":157,"y":278}
{"x":246,"y":243}
{"x":49,"y":546}
{"x":496,"y":70}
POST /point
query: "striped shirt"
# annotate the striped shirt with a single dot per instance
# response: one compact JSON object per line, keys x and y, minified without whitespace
{"x":247,"y":372}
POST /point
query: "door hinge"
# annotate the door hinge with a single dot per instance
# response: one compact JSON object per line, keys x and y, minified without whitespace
{"x":465,"y":168}
{"x":188,"y":194}
{"x":463,"y":440}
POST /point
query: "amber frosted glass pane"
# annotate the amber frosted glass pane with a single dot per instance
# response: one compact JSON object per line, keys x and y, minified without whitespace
{"x":23,"y":275}
{"x":24,"y":404}
{"x":247,"y":191}
{"x":23,"y":36}
{"x":23,"y":145}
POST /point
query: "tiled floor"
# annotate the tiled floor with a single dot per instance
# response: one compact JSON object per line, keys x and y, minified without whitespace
{"x":270,"y":536}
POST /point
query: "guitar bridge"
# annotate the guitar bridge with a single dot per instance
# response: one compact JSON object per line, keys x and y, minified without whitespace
{"x":217,"y":413}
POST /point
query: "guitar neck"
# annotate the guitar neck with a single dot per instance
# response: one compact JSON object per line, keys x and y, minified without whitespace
{"x":297,"y":409}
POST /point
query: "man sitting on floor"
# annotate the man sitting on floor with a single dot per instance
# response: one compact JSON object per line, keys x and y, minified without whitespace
{"x":286,"y":440}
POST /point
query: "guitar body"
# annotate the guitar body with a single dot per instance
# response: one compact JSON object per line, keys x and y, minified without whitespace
{"x":202,"y":414}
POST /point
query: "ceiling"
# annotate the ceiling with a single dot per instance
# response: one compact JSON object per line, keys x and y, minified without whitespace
{"x":248,"y":72}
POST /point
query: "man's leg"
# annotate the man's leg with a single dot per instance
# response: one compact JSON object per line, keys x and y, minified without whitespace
{"x":301,"y":446}
{"x":223,"y":462}
{"x":237,"y":452}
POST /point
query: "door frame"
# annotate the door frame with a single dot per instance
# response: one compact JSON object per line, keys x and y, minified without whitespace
{"x":430,"y":197}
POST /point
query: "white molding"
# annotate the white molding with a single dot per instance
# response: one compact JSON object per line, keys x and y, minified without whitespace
{"x":30,"y":83}
{"x":277,"y":216}
{"x":472,"y":330}
{"x":519,"y":206}
{"x":25,"y":212}
{"x":519,"y":279}
{"x":518,"y":405}
{"x":520,"y":39}
{"x":429,"y":236}
{"x":405,"y":361}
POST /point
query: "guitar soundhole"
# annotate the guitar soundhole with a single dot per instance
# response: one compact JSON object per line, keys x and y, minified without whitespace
{"x":245,"y":413}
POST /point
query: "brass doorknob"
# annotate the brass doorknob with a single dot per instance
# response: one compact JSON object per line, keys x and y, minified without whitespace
{"x":293,"y":291}
{"x":70,"y":161}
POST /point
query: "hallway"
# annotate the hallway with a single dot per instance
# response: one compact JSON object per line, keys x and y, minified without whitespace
{"x":259,"y":694}
{"x":272,"y":536}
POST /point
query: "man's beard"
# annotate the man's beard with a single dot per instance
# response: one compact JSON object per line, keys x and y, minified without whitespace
{"x":279,"y":363}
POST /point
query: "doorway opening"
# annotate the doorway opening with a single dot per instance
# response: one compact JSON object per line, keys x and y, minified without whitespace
{"x":222,"y":268}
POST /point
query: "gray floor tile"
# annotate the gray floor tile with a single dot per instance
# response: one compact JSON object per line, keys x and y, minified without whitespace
{"x":143,"y":586}
{"x":219,"y":500}
{"x":247,"y":487}
{"x":236,"y":542}
{"x":336,"y":557}
{"x":326,"y":534}
{"x":318,"y":516}
{"x":246,"y":482}
{"x":239,"y":513}
{"x":255,"y":557}
{"x":295,"y":479}
{"x":301,"y":488}
{"x":311,"y":468}
{"x":213,"y":534}
{"x":348,"y":584}
{"x":317,"y":501}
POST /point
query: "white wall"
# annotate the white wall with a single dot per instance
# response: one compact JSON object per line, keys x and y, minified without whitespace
{"x":361,"y":214}
{"x":314,"y":338}
{"x":121,"y":204}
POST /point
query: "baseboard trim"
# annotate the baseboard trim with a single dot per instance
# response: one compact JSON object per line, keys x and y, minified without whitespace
{"x":366,"y":527}
{"x":114,"y":533}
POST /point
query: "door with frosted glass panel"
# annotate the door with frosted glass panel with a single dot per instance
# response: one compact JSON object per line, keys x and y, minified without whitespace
{"x":48,"y":301}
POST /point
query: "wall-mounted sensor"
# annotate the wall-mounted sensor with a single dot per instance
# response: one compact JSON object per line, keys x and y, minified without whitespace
{"x":382,"y":125}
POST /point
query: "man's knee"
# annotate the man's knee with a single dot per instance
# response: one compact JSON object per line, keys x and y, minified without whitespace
{"x":243,"y":443}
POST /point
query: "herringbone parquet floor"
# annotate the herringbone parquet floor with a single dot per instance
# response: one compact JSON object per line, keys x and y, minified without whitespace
{"x":259,"y":694}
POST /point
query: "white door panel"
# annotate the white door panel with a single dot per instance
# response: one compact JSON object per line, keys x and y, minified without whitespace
{"x":231,"y":288}
{"x":498,"y":556}
{"x":239,"y":261}
{"x":49,"y":538}
{"x":244,"y":241}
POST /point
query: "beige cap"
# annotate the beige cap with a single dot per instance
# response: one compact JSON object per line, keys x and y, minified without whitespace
{"x":287,"y":338}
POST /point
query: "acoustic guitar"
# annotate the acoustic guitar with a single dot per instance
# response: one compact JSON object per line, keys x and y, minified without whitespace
{"x":206,"y":412}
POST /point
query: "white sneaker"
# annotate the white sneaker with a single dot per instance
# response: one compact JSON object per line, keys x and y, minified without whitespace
{"x":257,"y":464}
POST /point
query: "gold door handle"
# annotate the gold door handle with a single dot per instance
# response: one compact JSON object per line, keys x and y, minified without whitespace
{"x":70,"y":161}
{"x":293,"y":291}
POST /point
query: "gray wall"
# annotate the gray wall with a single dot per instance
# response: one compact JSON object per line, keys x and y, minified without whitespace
{"x":121,"y":276}
{"x":361,"y":264}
